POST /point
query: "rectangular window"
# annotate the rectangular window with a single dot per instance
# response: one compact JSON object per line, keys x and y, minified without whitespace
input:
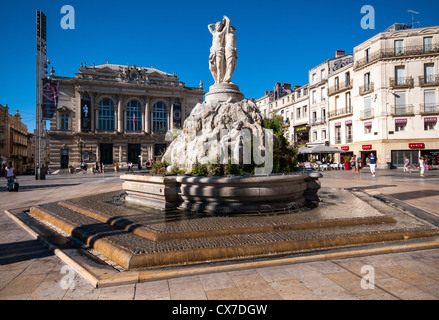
{"x":429,"y":101}
{"x":348,"y":102}
{"x":399,"y":47}
{"x":323,"y":94}
{"x":367,"y":82}
{"x":367,"y":107}
{"x":337,"y":83}
{"x":64,"y":121}
{"x":399,"y":75}
{"x":323,"y":134}
{"x":314,"y":135}
{"x":400,"y":127}
{"x":305,"y":111}
{"x":298,"y":113}
{"x":314,"y":117}
{"x":337,"y":135}
{"x":367,"y":55}
{"x":428,"y":44}
{"x":314,"y":97}
{"x":347,"y":79}
{"x":349,"y":137}
{"x":429,"y":73}
{"x":323,"y":74}
{"x":368,"y":129}
{"x":314,"y":78}
{"x":429,"y":126}
{"x":400,"y":106}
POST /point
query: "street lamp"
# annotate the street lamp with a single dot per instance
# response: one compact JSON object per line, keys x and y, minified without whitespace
{"x":81,"y":144}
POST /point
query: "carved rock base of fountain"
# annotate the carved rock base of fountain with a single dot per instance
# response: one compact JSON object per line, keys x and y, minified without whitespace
{"x":229,"y":194}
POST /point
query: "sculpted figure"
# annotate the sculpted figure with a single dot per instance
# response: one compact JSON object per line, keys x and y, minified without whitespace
{"x":231,"y":53}
{"x":223,"y":53}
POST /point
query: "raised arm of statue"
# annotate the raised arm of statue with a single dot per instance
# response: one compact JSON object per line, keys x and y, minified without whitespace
{"x":210,"y":27}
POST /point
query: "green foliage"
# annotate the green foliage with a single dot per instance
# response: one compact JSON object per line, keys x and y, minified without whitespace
{"x":199,"y":169}
{"x":284,"y":156}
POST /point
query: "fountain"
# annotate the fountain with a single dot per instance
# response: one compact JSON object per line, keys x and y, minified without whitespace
{"x":225,"y":130}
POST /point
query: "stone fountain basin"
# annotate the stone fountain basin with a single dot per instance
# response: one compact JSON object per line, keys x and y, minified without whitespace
{"x":225,"y":194}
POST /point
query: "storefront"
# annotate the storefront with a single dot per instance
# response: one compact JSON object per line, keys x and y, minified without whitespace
{"x":301,"y":135}
{"x":366,"y":150}
{"x":414,"y":152}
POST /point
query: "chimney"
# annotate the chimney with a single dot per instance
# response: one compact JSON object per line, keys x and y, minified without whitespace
{"x":339,"y":53}
{"x":295,"y":87}
{"x":287,"y":86}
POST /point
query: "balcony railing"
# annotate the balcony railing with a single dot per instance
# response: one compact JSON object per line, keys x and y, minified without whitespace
{"x":390,"y":53}
{"x":366,"y":88}
{"x":401,"y":82}
{"x":432,"y":80}
{"x":429,"y":108}
{"x":316,"y":121}
{"x":340,"y":112}
{"x":403,"y":109}
{"x":366,"y":114}
{"x":336,"y":89}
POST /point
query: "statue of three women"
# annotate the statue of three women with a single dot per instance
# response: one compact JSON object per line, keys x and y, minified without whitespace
{"x":223,"y":53}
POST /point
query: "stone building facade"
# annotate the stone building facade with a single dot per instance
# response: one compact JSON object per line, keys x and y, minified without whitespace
{"x":382,"y":99}
{"x":114,"y":113}
{"x":13,"y":141}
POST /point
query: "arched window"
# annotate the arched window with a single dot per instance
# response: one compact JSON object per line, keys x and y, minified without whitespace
{"x":134,"y":116}
{"x":106,"y":115}
{"x":159,"y":118}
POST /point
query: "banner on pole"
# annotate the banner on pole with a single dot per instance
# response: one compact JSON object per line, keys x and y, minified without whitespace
{"x":50,"y":98}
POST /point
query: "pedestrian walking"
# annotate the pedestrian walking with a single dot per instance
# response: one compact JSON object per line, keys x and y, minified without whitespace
{"x":372,"y":163}
{"x":10,"y":175}
{"x":422,"y":165}
{"x":358,"y":164}
{"x":97,"y":167}
{"x":353,"y":162}
{"x":406,"y":165}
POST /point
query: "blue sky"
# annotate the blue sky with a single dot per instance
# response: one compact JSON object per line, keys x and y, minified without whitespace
{"x":277,"y":41}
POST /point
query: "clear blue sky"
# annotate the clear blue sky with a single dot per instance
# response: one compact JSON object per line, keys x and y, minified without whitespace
{"x":277,"y":41}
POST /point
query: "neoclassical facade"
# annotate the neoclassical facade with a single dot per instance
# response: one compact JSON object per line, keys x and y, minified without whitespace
{"x":115,"y":113}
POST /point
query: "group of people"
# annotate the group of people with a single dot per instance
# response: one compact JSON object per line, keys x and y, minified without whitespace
{"x":99,"y":167}
{"x":356,"y":163}
{"x":425,"y":163}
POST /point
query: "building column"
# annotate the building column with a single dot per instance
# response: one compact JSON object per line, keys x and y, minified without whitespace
{"x":147,"y":126}
{"x":119,"y":115}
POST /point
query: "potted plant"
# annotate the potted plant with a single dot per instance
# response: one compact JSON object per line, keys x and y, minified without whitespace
{"x":116,"y":167}
{"x":71,"y":169}
{"x":346,"y":161}
{"x":92,"y":168}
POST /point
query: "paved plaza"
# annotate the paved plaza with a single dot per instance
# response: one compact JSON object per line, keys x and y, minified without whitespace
{"x":30,"y":271}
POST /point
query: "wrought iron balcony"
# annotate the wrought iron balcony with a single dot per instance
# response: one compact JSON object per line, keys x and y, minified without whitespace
{"x":336,"y":89}
{"x":341,"y":112}
{"x":407,"y":51}
{"x":366,"y":88}
{"x":432,"y":80}
{"x":401,"y":82}
{"x":403,"y":109}
{"x":429,"y":108}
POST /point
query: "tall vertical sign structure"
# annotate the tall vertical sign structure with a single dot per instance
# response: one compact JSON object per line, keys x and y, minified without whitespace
{"x":41,"y":59}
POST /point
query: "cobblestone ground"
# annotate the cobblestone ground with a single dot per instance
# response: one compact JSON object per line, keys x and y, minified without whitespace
{"x":30,"y":271}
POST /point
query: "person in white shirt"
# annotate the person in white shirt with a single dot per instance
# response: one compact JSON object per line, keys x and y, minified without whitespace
{"x":422,"y":166}
{"x":10,"y":175}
